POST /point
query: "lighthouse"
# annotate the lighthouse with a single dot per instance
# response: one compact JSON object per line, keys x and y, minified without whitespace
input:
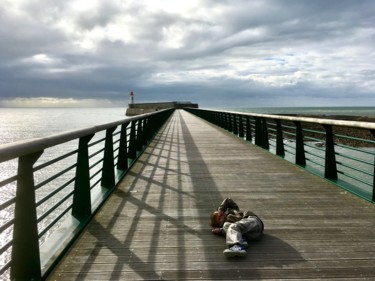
{"x":131,"y":97}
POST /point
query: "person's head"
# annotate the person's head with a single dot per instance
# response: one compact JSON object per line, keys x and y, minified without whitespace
{"x":217,"y":219}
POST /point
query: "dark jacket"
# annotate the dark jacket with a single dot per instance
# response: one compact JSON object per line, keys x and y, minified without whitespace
{"x":233,"y":212}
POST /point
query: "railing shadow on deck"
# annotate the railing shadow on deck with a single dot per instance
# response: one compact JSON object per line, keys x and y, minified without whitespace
{"x":260,"y":251}
{"x":339,"y":151}
{"x":63,"y":190}
{"x":144,"y":203}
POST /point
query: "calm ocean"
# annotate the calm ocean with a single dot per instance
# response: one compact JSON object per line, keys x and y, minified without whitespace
{"x":25,"y":123}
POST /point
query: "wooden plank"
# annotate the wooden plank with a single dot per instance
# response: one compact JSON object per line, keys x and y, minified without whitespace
{"x":155,"y":225}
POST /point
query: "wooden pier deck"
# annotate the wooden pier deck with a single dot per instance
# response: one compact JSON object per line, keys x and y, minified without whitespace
{"x":155,"y":225}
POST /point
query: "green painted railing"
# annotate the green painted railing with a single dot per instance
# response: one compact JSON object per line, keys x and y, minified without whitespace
{"x":53,"y":186}
{"x":340,"y":151}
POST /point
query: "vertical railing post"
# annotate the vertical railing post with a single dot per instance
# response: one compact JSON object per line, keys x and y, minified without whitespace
{"x":300,"y":150}
{"x":235,"y":124}
{"x":248,"y":129}
{"x":153,"y":125}
{"x":132,"y":152}
{"x":265,"y":143}
{"x":279,"y":139}
{"x":122,"y":160}
{"x":222,"y":120}
{"x":81,"y":208}
{"x":373,"y":175}
{"x":230,"y":123}
{"x":146,"y":131}
{"x":241,"y":132}
{"x":25,"y":249}
{"x":139,"y":142}
{"x":258,"y":131}
{"x":330,"y":169}
{"x":226,"y":121}
{"x":108,"y":172}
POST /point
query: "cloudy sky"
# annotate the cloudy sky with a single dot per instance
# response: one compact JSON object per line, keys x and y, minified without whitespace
{"x":219,"y":53}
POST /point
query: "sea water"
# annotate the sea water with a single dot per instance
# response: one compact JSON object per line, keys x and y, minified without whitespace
{"x":25,"y":123}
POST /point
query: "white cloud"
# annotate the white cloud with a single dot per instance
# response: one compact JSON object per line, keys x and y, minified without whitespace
{"x":55,"y":102}
{"x":100,"y":49}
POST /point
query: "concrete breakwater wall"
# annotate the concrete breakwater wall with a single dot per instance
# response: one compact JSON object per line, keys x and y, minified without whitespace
{"x":142,"y":108}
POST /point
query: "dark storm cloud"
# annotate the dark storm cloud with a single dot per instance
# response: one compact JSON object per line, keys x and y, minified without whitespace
{"x":218,"y":53}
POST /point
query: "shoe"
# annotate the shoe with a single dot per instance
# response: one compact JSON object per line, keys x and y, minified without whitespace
{"x":235,"y":251}
{"x":244,"y":244}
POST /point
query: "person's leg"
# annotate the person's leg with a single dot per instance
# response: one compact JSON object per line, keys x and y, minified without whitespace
{"x":235,"y":231}
{"x":256,"y":232}
{"x":234,"y":239}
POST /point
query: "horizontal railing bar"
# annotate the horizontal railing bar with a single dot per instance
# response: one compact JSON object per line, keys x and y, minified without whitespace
{"x":6,"y":225}
{"x":6,"y":247}
{"x":354,"y":138}
{"x":44,"y":231}
{"x":50,"y":195}
{"x":343,"y":123}
{"x":354,"y":168}
{"x":5,"y":267}
{"x":288,"y":145}
{"x":97,"y":182}
{"x":95,"y":164}
{"x":37,"y":186}
{"x":291,"y":152}
{"x":314,"y":147}
{"x":7,"y":203}
{"x":315,"y":155}
{"x":313,"y":139}
{"x":356,"y":149}
{"x":95,"y":174}
{"x":289,"y":133}
{"x":316,"y":163}
{"x":96,"y":142}
{"x":353,"y":177}
{"x":354,"y":158}
{"x":8,"y":180}
{"x":58,"y":204}
{"x":96,"y":153}
{"x":53,"y":161}
{"x":314,"y":131}
{"x":14,"y":150}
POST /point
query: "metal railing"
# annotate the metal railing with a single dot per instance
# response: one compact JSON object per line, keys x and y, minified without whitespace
{"x":52,"y":186}
{"x":340,"y":151}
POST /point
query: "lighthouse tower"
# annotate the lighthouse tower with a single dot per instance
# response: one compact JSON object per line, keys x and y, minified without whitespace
{"x":131,"y":97}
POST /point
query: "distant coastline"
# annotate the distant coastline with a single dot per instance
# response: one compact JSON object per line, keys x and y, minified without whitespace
{"x":324,"y":112}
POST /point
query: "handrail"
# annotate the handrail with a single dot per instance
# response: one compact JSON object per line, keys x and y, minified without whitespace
{"x":350,"y":166}
{"x":90,"y":162}
{"x":333,"y":122}
{"x":16,"y":149}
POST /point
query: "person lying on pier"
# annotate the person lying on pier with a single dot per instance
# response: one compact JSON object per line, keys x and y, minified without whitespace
{"x":237,"y":226}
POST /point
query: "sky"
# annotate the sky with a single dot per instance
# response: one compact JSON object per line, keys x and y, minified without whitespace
{"x":218,"y":53}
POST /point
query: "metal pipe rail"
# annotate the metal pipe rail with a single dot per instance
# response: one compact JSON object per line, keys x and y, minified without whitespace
{"x":54,"y":185}
{"x":326,"y":147}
